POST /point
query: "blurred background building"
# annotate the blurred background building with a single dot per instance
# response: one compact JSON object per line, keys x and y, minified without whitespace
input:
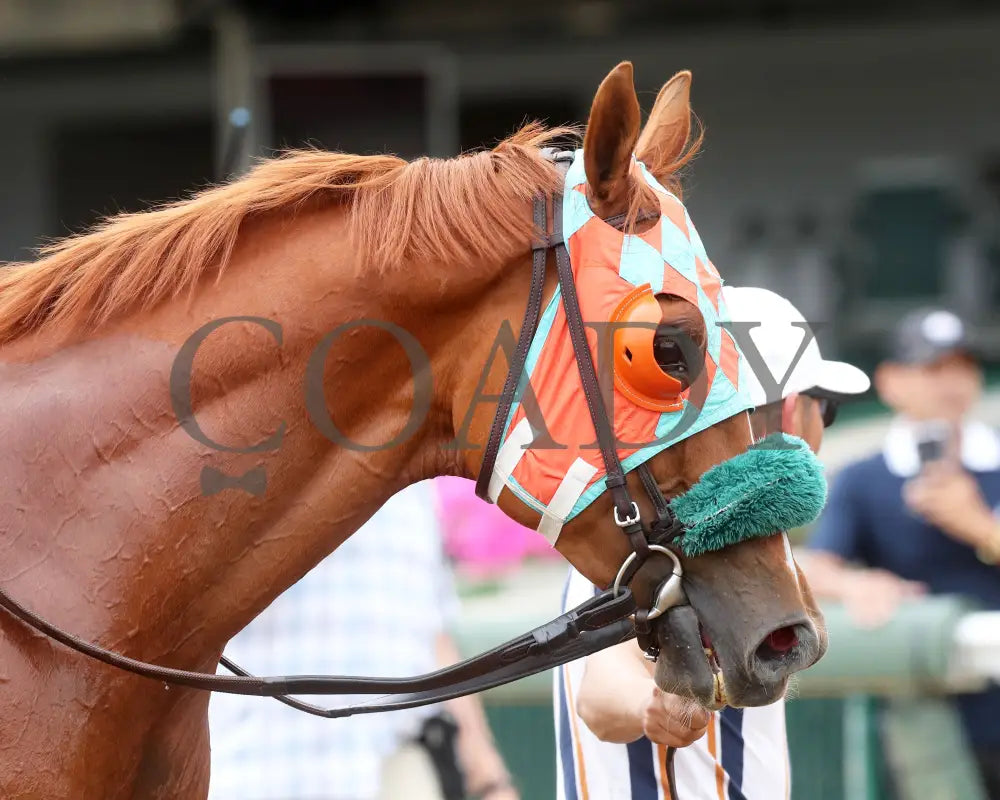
{"x":852,"y":157}
{"x":852,"y":163}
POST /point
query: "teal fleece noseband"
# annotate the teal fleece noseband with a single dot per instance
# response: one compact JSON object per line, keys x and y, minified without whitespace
{"x":775,"y":485}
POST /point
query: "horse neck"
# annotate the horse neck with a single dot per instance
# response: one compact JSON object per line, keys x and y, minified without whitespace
{"x":107,"y":494}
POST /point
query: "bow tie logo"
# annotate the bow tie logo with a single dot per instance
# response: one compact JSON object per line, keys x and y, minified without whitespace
{"x":253,"y":482}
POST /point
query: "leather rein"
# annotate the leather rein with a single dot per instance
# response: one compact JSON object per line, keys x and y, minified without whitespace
{"x":607,"y":619}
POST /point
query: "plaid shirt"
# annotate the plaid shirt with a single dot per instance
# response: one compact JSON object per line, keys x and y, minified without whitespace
{"x":374,"y":607}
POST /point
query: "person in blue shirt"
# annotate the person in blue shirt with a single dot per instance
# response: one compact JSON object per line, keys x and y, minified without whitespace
{"x":923,"y":515}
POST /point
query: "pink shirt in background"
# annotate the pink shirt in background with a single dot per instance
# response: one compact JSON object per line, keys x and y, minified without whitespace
{"x":479,"y":535}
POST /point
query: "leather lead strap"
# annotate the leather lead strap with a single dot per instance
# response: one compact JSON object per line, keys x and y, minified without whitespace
{"x":601,"y":622}
{"x":671,"y":773}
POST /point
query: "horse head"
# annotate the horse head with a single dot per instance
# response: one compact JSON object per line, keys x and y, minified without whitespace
{"x":671,"y":387}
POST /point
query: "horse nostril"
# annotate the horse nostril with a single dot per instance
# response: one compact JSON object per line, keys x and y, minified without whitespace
{"x":768,"y":665}
{"x":778,"y":642}
{"x":783,"y":639}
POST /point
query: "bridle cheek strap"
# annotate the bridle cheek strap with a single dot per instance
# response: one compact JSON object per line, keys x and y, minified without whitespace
{"x":515,"y":373}
{"x":625,"y":510}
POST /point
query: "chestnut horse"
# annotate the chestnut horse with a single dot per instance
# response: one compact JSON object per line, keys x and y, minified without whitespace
{"x":110,"y":528}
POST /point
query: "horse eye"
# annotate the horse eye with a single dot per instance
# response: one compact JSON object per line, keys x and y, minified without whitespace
{"x":670,"y":357}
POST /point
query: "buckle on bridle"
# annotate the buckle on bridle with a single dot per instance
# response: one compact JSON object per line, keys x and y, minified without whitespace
{"x":630,"y":520}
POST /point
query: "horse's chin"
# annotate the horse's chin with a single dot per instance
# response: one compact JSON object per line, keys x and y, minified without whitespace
{"x":683,"y":668}
{"x":689,"y":666}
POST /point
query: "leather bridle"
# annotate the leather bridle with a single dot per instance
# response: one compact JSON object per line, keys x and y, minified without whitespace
{"x":666,"y":528}
{"x":609,"y":618}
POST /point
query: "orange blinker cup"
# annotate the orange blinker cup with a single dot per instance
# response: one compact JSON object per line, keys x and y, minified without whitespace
{"x":637,"y":375}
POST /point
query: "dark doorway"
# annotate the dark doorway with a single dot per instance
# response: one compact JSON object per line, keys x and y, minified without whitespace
{"x":352,"y":113}
{"x":104,"y":166}
{"x":484,"y":122}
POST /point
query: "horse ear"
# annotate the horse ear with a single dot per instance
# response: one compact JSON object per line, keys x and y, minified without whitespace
{"x":668,"y":128}
{"x":612,"y":131}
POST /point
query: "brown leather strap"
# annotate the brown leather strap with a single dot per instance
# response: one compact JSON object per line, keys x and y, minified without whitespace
{"x":532,"y":314}
{"x":529,"y":325}
{"x":600,"y":622}
{"x":660,"y":504}
{"x":615,"y":475}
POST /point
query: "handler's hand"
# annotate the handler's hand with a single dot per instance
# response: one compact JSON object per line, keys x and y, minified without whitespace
{"x":949,"y":498}
{"x":673,"y":721}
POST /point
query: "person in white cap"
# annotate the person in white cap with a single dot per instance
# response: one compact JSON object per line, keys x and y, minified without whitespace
{"x":922,"y":515}
{"x":615,"y":729}
{"x":790,"y":380}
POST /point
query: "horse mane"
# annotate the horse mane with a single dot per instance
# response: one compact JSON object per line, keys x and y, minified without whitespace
{"x":435,"y":210}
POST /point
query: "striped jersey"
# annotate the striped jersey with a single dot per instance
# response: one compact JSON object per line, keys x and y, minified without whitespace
{"x":743,"y":756}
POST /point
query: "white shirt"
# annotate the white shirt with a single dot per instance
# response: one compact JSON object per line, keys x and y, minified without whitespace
{"x":372,"y":608}
{"x":744,"y":754}
{"x":980,"y":446}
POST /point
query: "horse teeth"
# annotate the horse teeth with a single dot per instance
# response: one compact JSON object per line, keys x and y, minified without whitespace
{"x":720,"y":689}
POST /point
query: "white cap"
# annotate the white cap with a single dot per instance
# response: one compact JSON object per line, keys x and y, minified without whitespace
{"x":778,"y":341}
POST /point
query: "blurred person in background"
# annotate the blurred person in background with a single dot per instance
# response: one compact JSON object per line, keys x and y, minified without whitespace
{"x":380,"y":605}
{"x":614,"y":727}
{"x":480,"y":538}
{"x":922,"y":515}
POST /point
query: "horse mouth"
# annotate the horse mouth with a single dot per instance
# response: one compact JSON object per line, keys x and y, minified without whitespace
{"x":719,"y":698}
